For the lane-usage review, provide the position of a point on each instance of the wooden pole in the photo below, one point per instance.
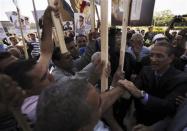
(126, 7)
(36, 21)
(23, 39)
(104, 42)
(21, 119)
(98, 22)
(92, 15)
(55, 38)
(59, 29)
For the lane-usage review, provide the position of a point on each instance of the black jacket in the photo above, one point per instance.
(161, 102)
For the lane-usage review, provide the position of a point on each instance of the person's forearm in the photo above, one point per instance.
(46, 39)
(108, 98)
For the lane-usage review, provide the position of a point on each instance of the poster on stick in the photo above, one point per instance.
(141, 12)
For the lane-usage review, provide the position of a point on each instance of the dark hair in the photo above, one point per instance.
(183, 33)
(81, 35)
(80, 16)
(164, 43)
(68, 40)
(4, 55)
(18, 71)
(63, 106)
(56, 54)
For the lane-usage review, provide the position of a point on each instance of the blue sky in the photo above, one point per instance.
(178, 7)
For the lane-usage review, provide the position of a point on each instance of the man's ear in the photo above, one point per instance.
(172, 57)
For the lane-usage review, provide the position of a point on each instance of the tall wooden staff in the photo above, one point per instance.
(92, 15)
(20, 119)
(59, 28)
(21, 30)
(126, 7)
(104, 42)
(98, 22)
(36, 21)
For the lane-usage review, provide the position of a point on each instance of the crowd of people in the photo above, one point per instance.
(61, 91)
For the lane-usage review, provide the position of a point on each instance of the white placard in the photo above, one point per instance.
(2, 32)
(136, 9)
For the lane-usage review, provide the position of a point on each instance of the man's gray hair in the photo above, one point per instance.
(63, 107)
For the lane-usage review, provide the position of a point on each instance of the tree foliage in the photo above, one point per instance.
(162, 18)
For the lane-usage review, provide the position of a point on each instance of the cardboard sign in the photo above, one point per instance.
(2, 32)
(141, 12)
(25, 24)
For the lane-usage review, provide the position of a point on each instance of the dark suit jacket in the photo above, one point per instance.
(161, 102)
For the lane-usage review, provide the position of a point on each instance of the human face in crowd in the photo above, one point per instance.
(32, 37)
(81, 41)
(13, 41)
(160, 60)
(117, 43)
(178, 41)
(66, 61)
(72, 49)
(150, 29)
(136, 46)
(94, 100)
(81, 20)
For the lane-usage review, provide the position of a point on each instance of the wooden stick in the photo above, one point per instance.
(104, 42)
(23, 39)
(97, 13)
(126, 7)
(55, 38)
(92, 15)
(20, 119)
(98, 22)
(36, 21)
(59, 29)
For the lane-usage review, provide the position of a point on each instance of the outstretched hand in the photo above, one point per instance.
(141, 127)
(119, 75)
(128, 85)
(99, 64)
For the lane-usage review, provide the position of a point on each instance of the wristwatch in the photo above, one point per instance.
(143, 93)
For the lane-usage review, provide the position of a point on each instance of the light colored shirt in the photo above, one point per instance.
(29, 107)
(144, 52)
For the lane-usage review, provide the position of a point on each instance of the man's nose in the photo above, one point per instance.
(153, 58)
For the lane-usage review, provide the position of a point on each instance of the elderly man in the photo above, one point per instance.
(137, 50)
(77, 106)
(157, 86)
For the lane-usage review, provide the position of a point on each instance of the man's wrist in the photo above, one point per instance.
(140, 94)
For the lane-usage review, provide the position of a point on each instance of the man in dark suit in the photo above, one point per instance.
(157, 86)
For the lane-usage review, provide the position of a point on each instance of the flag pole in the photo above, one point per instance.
(21, 30)
(36, 21)
(59, 29)
(126, 7)
(104, 42)
(92, 15)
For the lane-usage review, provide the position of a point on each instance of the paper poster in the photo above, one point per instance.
(2, 32)
(82, 24)
(68, 25)
(141, 12)
(25, 24)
